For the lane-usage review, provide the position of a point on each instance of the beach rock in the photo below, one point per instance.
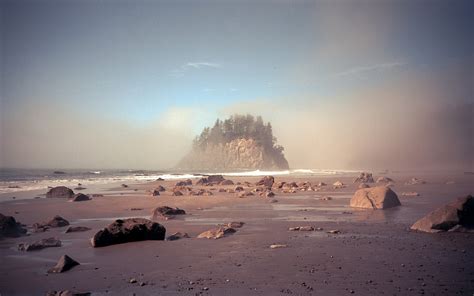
(128, 230)
(266, 181)
(321, 184)
(363, 185)
(301, 228)
(454, 216)
(60, 192)
(239, 188)
(324, 198)
(187, 182)
(67, 293)
(227, 182)
(97, 195)
(338, 184)
(79, 188)
(10, 228)
(65, 263)
(41, 244)
(177, 193)
(269, 194)
(415, 181)
(410, 193)
(177, 235)
(278, 246)
(56, 221)
(384, 180)
(77, 229)
(155, 192)
(160, 188)
(81, 197)
(160, 179)
(210, 180)
(124, 185)
(364, 177)
(380, 197)
(165, 212)
(217, 233)
(234, 224)
(243, 194)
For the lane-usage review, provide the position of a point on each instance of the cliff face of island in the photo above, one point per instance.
(240, 142)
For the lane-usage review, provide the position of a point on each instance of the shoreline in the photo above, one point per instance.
(374, 253)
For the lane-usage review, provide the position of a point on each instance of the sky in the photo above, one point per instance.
(128, 84)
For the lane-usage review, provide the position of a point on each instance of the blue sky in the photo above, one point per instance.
(137, 61)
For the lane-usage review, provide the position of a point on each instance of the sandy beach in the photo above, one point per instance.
(373, 252)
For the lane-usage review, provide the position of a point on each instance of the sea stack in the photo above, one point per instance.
(240, 142)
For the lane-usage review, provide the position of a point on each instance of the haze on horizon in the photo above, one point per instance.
(129, 84)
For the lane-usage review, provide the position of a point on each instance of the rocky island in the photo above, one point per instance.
(239, 142)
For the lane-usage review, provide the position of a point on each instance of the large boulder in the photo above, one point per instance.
(60, 192)
(364, 177)
(10, 228)
(128, 230)
(266, 181)
(381, 197)
(455, 216)
(166, 213)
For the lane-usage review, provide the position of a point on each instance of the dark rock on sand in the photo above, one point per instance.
(455, 216)
(155, 192)
(227, 182)
(210, 180)
(160, 188)
(166, 213)
(79, 188)
(65, 263)
(81, 197)
(187, 182)
(384, 180)
(381, 197)
(41, 244)
(177, 193)
(10, 228)
(56, 221)
(60, 192)
(177, 235)
(67, 293)
(218, 232)
(266, 181)
(364, 177)
(301, 228)
(128, 230)
(239, 188)
(77, 229)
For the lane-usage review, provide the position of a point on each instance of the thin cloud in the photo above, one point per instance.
(199, 65)
(180, 72)
(371, 68)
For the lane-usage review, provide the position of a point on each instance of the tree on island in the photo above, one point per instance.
(236, 128)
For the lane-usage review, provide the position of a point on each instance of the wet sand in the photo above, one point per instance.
(374, 253)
